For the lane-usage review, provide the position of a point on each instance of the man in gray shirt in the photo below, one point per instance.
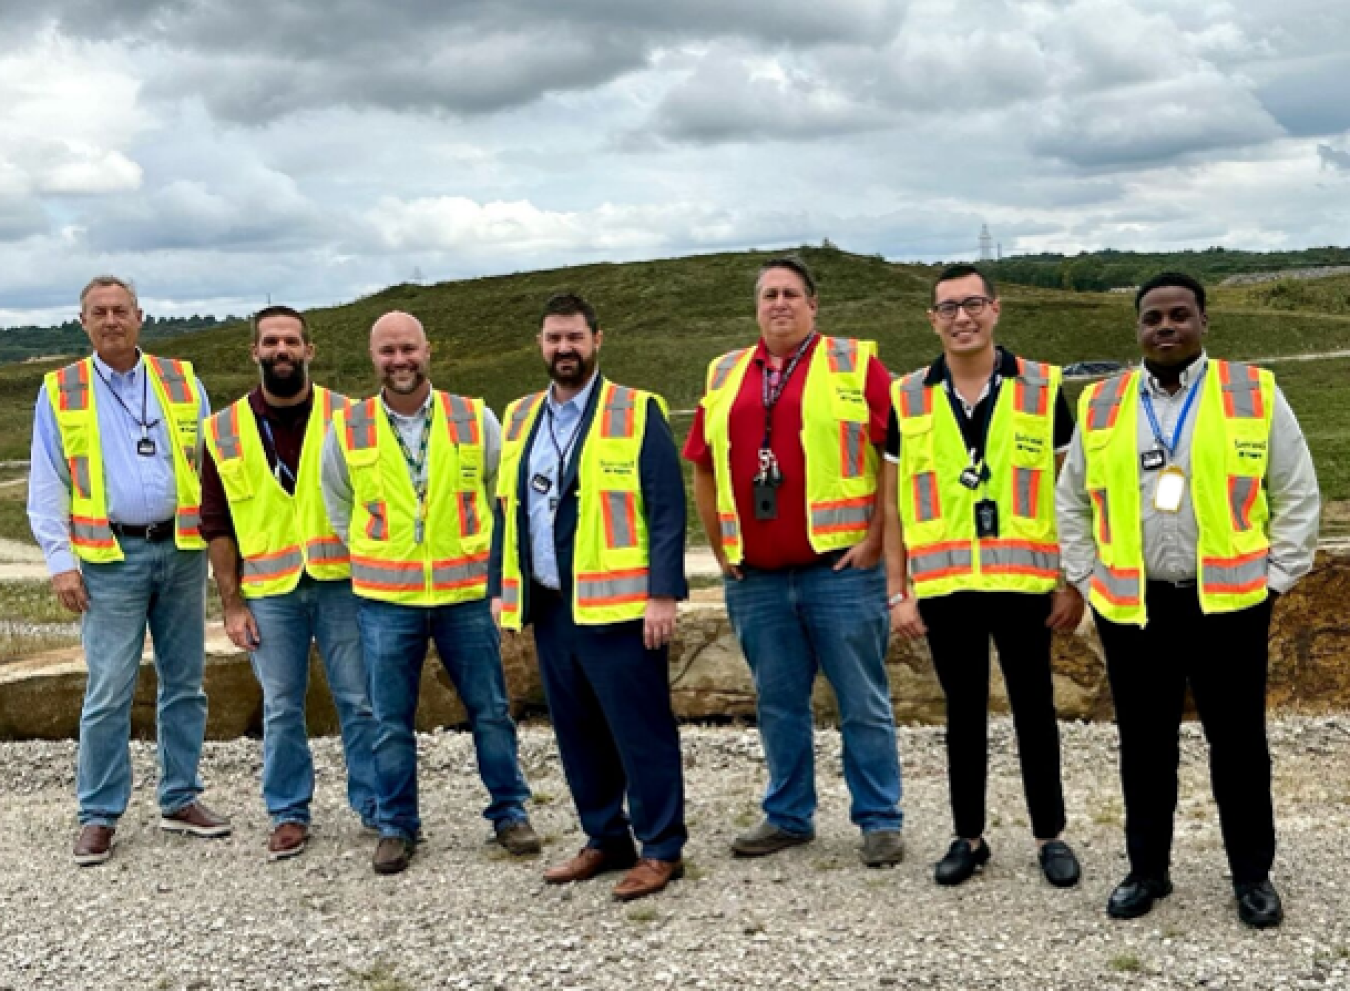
(1187, 504)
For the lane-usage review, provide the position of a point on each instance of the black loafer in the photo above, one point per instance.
(961, 862)
(1058, 864)
(1135, 896)
(1259, 904)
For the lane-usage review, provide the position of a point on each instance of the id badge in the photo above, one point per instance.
(986, 519)
(766, 500)
(1171, 488)
(1152, 460)
(145, 447)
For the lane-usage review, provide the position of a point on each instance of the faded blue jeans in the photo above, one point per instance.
(165, 588)
(395, 639)
(792, 623)
(324, 613)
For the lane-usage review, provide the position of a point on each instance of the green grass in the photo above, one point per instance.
(380, 976)
(32, 602)
(1126, 963)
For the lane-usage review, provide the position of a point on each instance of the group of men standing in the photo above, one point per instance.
(840, 505)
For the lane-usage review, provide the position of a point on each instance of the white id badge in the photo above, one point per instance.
(1171, 487)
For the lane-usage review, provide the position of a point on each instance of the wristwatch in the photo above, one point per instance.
(896, 599)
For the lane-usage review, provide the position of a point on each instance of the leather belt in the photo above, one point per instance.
(155, 532)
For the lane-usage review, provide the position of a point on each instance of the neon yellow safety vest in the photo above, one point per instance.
(1229, 452)
(938, 512)
(451, 563)
(71, 394)
(610, 563)
(841, 463)
(281, 536)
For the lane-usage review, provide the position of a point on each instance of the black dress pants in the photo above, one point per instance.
(1223, 658)
(960, 626)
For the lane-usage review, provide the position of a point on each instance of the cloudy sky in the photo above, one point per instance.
(218, 151)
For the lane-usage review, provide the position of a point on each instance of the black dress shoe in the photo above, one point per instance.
(1259, 904)
(1058, 864)
(1135, 896)
(961, 862)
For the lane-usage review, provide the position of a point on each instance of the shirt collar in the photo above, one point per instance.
(763, 354)
(129, 375)
(579, 400)
(1005, 365)
(420, 412)
(1189, 375)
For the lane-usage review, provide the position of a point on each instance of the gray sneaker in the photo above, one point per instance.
(519, 838)
(766, 838)
(882, 848)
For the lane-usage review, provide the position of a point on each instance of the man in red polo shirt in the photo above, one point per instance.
(785, 448)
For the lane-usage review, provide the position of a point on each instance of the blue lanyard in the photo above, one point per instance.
(279, 465)
(1171, 448)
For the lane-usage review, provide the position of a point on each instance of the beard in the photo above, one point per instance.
(418, 376)
(582, 369)
(284, 384)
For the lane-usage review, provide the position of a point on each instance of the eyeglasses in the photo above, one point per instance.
(973, 305)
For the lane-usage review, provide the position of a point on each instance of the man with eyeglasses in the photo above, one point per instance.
(974, 442)
(283, 575)
(114, 500)
(785, 447)
(1187, 505)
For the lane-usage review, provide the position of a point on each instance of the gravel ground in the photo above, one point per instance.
(174, 913)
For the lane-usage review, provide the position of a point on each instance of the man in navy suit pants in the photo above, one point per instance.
(589, 549)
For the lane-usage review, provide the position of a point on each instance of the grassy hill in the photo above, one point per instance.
(664, 320)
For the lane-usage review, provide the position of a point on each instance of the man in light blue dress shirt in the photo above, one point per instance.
(156, 584)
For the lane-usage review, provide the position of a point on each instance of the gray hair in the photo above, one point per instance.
(103, 282)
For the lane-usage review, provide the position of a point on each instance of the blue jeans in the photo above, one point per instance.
(791, 623)
(161, 586)
(322, 612)
(395, 640)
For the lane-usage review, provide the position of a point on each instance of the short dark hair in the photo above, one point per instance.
(792, 263)
(569, 304)
(1179, 280)
(953, 272)
(280, 311)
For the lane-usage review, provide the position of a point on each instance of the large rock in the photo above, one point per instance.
(1310, 646)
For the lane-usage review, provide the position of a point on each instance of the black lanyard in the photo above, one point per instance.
(144, 421)
(563, 451)
(990, 399)
(770, 397)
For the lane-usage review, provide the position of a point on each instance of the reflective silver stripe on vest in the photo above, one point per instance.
(462, 419)
(389, 577)
(468, 513)
(598, 590)
(926, 496)
(274, 567)
(621, 530)
(912, 396)
(90, 532)
(925, 563)
(1024, 492)
(79, 477)
(1241, 496)
(843, 354)
(378, 527)
(1243, 389)
(189, 520)
(842, 517)
(520, 416)
(1118, 589)
(855, 457)
(731, 529)
(362, 424)
(459, 573)
(1035, 385)
(1019, 557)
(618, 413)
(510, 594)
(175, 382)
(74, 391)
(326, 552)
(1106, 398)
(1229, 578)
(1102, 500)
(227, 437)
(724, 369)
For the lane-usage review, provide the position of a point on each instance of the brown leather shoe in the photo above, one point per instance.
(587, 864)
(93, 845)
(287, 840)
(647, 878)
(392, 855)
(195, 820)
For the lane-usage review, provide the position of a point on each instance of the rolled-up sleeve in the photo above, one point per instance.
(1073, 514)
(49, 490)
(1295, 501)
